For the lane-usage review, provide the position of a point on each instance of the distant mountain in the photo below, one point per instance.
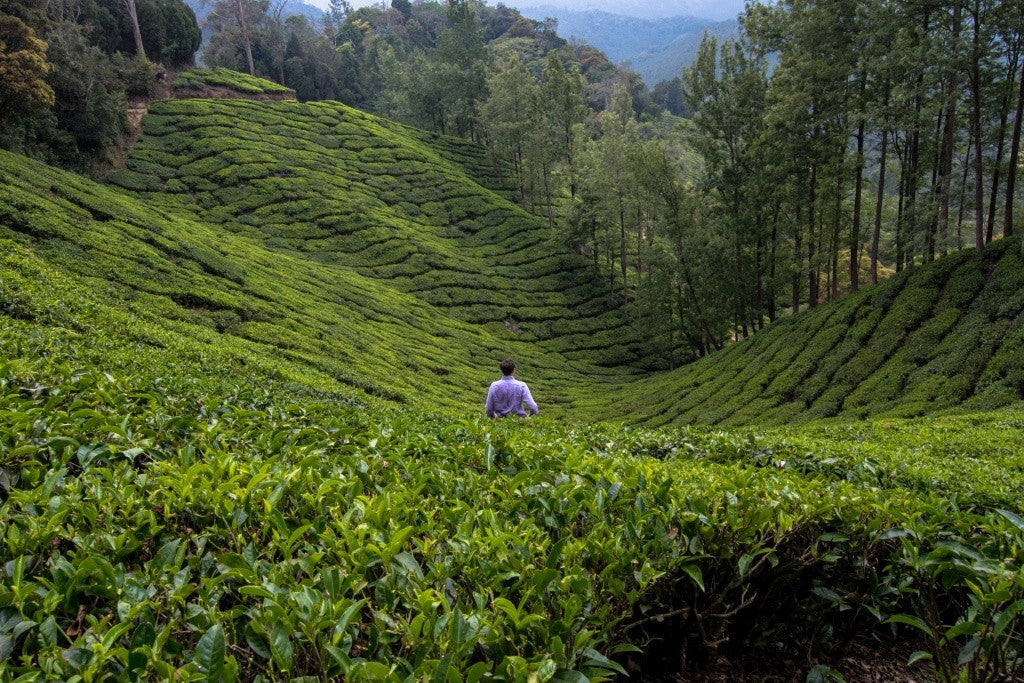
(202, 8)
(657, 49)
(713, 10)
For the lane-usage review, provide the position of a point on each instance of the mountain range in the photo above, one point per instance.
(657, 49)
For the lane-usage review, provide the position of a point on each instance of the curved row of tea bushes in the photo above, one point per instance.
(339, 322)
(934, 337)
(424, 213)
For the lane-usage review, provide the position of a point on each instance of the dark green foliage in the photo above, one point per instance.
(91, 65)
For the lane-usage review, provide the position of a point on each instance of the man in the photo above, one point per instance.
(508, 395)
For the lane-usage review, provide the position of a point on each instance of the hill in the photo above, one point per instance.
(240, 436)
(358, 247)
(657, 49)
(930, 338)
(393, 259)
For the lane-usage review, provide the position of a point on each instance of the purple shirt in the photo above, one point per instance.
(507, 396)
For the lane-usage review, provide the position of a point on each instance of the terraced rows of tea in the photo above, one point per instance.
(943, 336)
(241, 436)
(424, 214)
(353, 327)
(175, 504)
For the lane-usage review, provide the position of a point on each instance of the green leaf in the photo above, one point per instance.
(6, 646)
(143, 637)
(543, 579)
(409, 563)
(569, 676)
(827, 593)
(281, 647)
(48, 632)
(1006, 617)
(963, 628)
(556, 553)
(210, 652)
(909, 620)
(441, 670)
(477, 671)
(693, 571)
(596, 658)
(1013, 518)
(165, 556)
(919, 656)
(346, 617)
(968, 651)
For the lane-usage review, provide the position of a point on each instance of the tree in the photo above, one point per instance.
(232, 23)
(563, 97)
(133, 17)
(23, 69)
(509, 113)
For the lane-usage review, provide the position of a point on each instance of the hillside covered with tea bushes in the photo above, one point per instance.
(241, 436)
(373, 319)
(944, 336)
(173, 503)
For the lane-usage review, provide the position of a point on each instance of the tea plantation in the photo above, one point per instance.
(241, 436)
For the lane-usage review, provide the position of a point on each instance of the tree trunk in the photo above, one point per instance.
(812, 268)
(979, 168)
(1011, 179)
(836, 230)
(879, 199)
(246, 43)
(797, 262)
(1004, 110)
(946, 168)
(858, 186)
(622, 248)
(129, 5)
(771, 266)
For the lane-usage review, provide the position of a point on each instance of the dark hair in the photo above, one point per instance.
(508, 366)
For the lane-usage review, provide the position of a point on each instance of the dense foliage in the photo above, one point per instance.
(240, 430)
(174, 509)
(67, 68)
(842, 136)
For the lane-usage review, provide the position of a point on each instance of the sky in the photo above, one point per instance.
(648, 9)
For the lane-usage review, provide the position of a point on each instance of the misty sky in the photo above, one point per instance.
(710, 9)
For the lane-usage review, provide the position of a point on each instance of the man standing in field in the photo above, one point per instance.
(508, 395)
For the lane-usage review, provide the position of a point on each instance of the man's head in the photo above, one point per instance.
(508, 367)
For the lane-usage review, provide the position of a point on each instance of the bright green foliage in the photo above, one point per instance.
(233, 80)
(187, 508)
(240, 431)
(938, 337)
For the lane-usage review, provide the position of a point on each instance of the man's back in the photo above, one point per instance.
(507, 396)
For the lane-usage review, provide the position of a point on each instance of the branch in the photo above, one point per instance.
(658, 617)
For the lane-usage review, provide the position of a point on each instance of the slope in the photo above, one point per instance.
(334, 322)
(949, 334)
(421, 213)
(180, 503)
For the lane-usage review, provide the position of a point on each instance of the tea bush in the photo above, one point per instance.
(241, 435)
